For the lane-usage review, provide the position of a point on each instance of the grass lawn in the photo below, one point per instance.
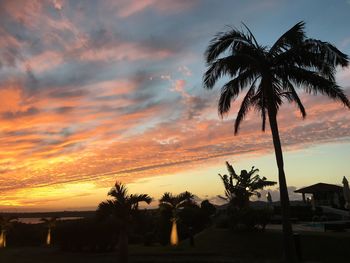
(212, 245)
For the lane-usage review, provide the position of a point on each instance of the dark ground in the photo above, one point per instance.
(212, 245)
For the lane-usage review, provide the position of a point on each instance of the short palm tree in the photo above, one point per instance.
(239, 188)
(175, 203)
(272, 75)
(50, 223)
(5, 224)
(122, 208)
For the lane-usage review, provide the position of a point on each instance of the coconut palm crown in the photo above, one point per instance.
(272, 75)
(122, 206)
(122, 209)
(176, 202)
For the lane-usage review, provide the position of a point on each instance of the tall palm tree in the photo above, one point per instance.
(240, 187)
(5, 224)
(122, 208)
(175, 203)
(50, 223)
(272, 75)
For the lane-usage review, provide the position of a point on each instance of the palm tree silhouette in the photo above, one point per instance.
(271, 76)
(5, 224)
(122, 208)
(239, 188)
(50, 223)
(175, 203)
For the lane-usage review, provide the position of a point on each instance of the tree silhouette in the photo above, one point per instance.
(122, 208)
(50, 223)
(239, 188)
(175, 203)
(5, 224)
(271, 76)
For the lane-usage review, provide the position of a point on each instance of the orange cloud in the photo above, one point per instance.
(45, 61)
(124, 51)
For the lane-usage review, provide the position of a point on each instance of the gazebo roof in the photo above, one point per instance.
(320, 187)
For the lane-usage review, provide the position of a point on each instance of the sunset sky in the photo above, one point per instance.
(98, 91)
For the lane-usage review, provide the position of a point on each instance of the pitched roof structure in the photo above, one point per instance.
(320, 187)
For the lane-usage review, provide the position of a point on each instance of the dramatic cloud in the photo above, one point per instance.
(93, 91)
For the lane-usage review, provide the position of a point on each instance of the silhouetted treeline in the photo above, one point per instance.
(92, 234)
(58, 214)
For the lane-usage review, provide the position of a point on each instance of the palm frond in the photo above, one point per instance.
(184, 199)
(229, 65)
(123, 206)
(292, 37)
(231, 89)
(108, 209)
(314, 83)
(119, 192)
(328, 52)
(245, 106)
(231, 170)
(138, 198)
(168, 198)
(223, 41)
(251, 35)
(293, 96)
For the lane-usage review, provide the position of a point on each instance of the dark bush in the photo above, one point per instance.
(249, 218)
(163, 226)
(21, 234)
(148, 239)
(208, 211)
(144, 223)
(87, 235)
(222, 221)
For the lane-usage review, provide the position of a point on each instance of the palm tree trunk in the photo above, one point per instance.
(289, 246)
(123, 245)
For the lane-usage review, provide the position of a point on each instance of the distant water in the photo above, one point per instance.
(37, 220)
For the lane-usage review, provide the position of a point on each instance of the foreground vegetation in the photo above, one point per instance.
(211, 245)
(199, 232)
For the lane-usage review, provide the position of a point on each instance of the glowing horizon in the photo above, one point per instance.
(94, 93)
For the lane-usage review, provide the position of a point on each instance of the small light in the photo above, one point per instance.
(247, 188)
(174, 239)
